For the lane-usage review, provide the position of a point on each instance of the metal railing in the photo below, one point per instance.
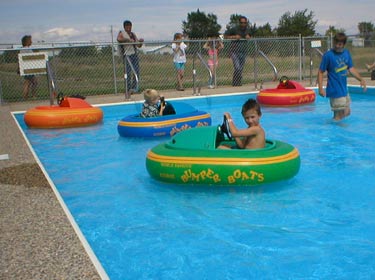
(52, 86)
(127, 62)
(275, 73)
(320, 53)
(199, 55)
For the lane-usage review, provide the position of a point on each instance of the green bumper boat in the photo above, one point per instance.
(191, 157)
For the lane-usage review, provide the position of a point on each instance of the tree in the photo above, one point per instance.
(299, 23)
(332, 31)
(366, 29)
(263, 31)
(199, 25)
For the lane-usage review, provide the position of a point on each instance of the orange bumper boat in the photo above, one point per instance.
(287, 93)
(71, 112)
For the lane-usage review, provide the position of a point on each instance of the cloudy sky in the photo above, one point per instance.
(91, 20)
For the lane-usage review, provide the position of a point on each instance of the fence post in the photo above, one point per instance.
(1, 94)
(255, 65)
(194, 74)
(311, 66)
(301, 52)
(113, 62)
(127, 94)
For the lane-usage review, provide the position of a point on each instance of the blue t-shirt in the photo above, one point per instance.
(337, 66)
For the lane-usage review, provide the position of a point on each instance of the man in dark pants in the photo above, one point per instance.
(130, 50)
(238, 49)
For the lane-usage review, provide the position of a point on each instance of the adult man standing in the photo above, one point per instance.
(129, 50)
(238, 48)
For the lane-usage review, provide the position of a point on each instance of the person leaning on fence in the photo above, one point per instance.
(179, 58)
(238, 48)
(213, 46)
(337, 62)
(151, 106)
(130, 50)
(30, 82)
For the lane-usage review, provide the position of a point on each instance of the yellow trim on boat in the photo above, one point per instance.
(222, 160)
(62, 112)
(162, 122)
(288, 94)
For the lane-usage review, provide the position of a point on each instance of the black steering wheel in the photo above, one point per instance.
(225, 128)
(60, 98)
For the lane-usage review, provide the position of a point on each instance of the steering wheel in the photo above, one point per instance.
(60, 98)
(225, 128)
(284, 80)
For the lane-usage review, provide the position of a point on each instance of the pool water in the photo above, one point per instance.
(318, 225)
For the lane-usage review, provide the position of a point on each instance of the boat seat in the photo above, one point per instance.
(270, 144)
(201, 138)
(74, 103)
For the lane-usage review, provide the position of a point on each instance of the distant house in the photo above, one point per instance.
(358, 42)
(54, 49)
(160, 49)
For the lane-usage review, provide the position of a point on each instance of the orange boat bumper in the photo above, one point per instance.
(59, 117)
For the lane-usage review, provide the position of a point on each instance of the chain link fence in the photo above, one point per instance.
(98, 68)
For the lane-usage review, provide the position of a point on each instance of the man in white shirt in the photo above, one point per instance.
(129, 49)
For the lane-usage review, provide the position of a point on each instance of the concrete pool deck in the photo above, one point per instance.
(37, 239)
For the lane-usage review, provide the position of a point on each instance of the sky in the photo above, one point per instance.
(95, 20)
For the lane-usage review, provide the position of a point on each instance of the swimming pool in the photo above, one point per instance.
(318, 225)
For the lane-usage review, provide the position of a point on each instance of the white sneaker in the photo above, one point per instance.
(211, 87)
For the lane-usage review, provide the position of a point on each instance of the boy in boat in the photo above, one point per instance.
(151, 106)
(252, 137)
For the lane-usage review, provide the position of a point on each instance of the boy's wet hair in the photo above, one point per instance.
(251, 103)
(340, 38)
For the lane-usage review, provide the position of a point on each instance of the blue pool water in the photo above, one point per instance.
(318, 225)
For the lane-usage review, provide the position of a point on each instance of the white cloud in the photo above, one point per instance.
(61, 32)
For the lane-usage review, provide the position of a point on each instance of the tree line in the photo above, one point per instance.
(201, 25)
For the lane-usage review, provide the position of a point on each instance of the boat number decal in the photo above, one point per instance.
(79, 119)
